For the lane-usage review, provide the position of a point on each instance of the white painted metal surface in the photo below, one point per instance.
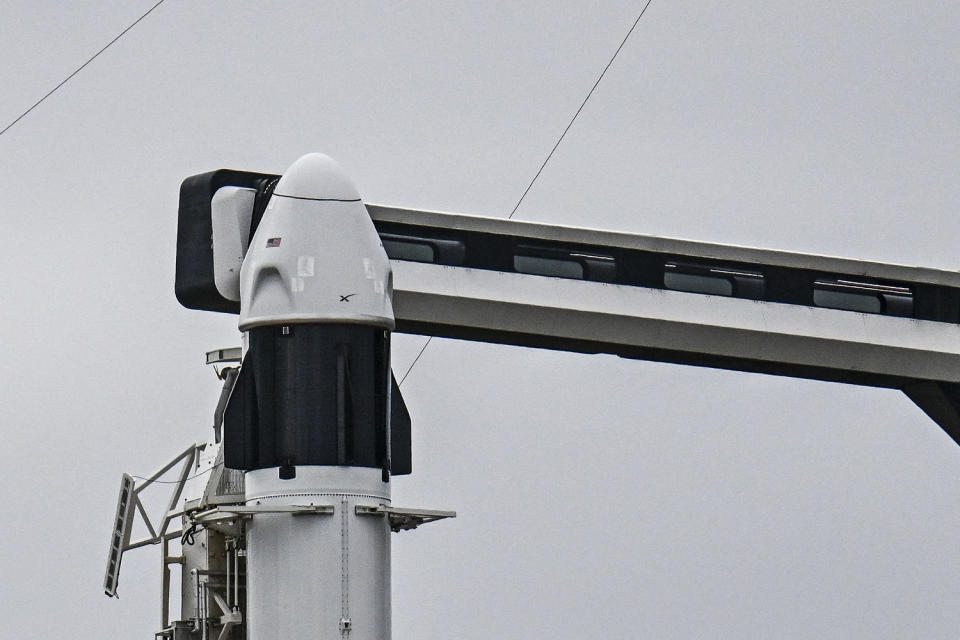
(230, 211)
(318, 576)
(315, 256)
(519, 308)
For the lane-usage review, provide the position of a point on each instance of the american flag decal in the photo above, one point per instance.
(273, 242)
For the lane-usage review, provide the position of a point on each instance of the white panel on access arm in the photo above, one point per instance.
(674, 326)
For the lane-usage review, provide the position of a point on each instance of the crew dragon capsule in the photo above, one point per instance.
(316, 309)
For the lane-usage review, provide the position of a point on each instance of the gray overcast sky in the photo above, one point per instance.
(597, 497)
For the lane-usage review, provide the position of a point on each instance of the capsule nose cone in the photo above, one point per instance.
(317, 177)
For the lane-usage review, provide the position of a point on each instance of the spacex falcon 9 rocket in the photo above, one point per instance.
(286, 510)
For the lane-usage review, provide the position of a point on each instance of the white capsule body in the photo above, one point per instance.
(294, 273)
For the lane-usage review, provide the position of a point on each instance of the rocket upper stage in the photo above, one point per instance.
(315, 255)
(316, 301)
(302, 257)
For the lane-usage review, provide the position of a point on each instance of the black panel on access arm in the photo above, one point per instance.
(194, 285)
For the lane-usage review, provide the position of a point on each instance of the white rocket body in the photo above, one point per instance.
(315, 270)
(318, 576)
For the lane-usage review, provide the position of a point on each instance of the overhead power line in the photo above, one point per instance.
(579, 109)
(410, 368)
(550, 155)
(80, 68)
